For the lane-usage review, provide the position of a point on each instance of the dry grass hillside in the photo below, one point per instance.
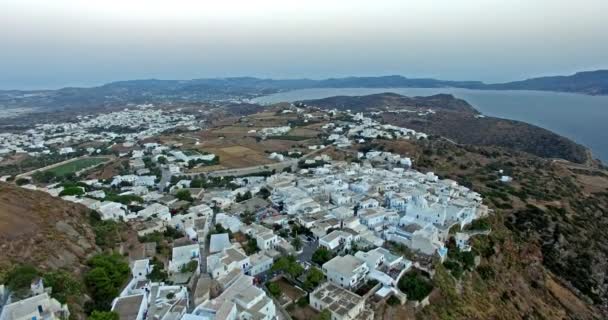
(43, 231)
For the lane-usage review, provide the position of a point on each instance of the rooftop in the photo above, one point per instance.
(337, 299)
(219, 242)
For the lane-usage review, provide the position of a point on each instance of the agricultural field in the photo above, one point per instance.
(77, 165)
(238, 156)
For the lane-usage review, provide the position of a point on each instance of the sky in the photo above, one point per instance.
(52, 44)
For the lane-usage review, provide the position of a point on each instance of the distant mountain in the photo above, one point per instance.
(222, 89)
(589, 82)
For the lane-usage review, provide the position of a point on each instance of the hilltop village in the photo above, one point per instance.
(323, 227)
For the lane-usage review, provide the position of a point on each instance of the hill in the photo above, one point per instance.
(589, 82)
(546, 256)
(392, 101)
(43, 231)
(459, 121)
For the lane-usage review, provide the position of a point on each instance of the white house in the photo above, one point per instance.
(141, 269)
(336, 239)
(226, 261)
(241, 300)
(346, 271)
(182, 255)
(40, 306)
(343, 304)
(112, 210)
(260, 262)
(155, 210)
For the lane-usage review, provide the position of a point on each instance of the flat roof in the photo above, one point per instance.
(219, 242)
(128, 307)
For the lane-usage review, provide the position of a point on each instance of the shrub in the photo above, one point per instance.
(274, 289)
(415, 286)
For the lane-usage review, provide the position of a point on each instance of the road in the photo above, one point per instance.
(308, 248)
(165, 178)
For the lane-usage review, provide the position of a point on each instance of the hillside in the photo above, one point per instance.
(392, 101)
(546, 257)
(43, 231)
(459, 121)
(589, 82)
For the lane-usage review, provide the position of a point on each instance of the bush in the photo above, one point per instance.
(415, 286)
(158, 274)
(108, 274)
(64, 285)
(107, 232)
(189, 267)
(393, 301)
(19, 279)
(103, 315)
(289, 265)
(184, 195)
(486, 272)
(303, 302)
(71, 191)
(274, 289)
(322, 255)
(22, 181)
(313, 278)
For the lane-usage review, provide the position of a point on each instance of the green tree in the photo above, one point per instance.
(274, 289)
(415, 286)
(289, 265)
(242, 197)
(264, 193)
(321, 255)
(184, 195)
(103, 315)
(158, 274)
(162, 160)
(71, 191)
(313, 278)
(101, 288)
(252, 246)
(108, 274)
(297, 243)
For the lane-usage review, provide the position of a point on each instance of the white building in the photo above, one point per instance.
(156, 210)
(37, 307)
(343, 304)
(241, 300)
(112, 210)
(260, 262)
(227, 261)
(336, 239)
(346, 271)
(183, 255)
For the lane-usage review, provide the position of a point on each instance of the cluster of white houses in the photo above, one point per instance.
(343, 134)
(350, 208)
(131, 125)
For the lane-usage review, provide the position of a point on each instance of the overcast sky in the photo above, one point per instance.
(55, 43)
